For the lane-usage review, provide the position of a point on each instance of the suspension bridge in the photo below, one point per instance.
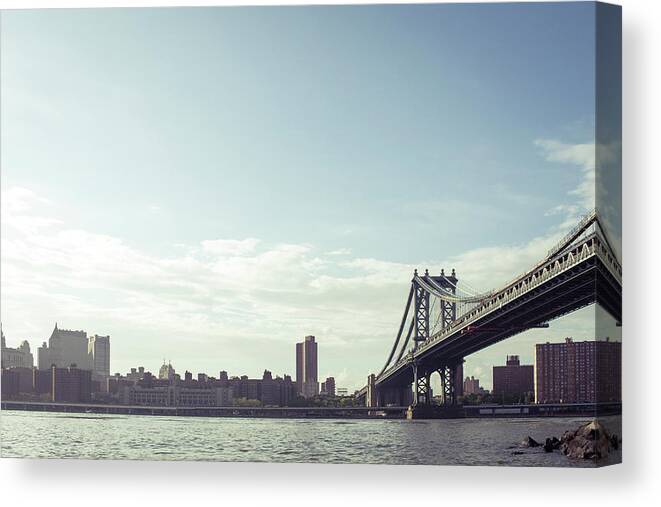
(445, 320)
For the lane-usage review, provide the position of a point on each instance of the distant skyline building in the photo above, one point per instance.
(65, 348)
(514, 380)
(578, 372)
(72, 385)
(307, 382)
(98, 348)
(20, 357)
(472, 386)
(328, 387)
(166, 372)
(140, 387)
(68, 348)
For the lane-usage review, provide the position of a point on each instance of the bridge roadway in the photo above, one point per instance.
(567, 280)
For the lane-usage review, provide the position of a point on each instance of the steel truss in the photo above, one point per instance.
(448, 375)
(421, 315)
(421, 386)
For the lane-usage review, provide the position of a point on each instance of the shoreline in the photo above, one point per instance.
(373, 413)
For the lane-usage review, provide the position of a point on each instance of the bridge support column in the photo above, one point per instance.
(421, 386)
(459, 379)
(372, 396)
(452, 381)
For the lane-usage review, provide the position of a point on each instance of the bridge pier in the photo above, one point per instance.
(421, 386)
(422, 406)
(452, 381)
(372, 395)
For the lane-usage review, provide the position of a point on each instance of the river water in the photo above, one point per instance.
(435, 442)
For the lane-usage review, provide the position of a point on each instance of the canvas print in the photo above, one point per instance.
(383, 234)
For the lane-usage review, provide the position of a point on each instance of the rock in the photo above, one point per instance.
(516, 453)
(589, 441)
(529, 442)
(549, 445)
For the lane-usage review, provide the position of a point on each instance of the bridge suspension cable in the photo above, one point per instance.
(464, 288)
(406, 341)
(431, 286)
(401, 328)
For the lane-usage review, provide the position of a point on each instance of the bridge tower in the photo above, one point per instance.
(421, 315)
(452, 371)
(448, 309)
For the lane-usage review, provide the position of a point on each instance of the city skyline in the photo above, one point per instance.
(185, 211)
(485, 379)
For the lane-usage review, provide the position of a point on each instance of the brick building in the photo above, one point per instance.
(578, 372)
(514, 381)
(9, 381)
(71, 385)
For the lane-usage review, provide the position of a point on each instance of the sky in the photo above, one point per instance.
(210, 185)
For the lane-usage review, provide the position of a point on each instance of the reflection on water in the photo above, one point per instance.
(438, 442)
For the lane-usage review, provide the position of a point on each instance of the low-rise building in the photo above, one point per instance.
(177, 396)
(9, 382)
(42, 381)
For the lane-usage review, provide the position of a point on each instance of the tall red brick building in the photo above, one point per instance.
(514, 380)
(579, 372)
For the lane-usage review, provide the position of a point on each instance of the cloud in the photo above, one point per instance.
(17, 201)
(230, 247)
(223, 294)
(340, 251)
(581, 155)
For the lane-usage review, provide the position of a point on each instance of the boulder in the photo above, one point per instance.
(589, 441)
(529, 442)
(551, 444)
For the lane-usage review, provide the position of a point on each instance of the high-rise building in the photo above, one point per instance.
(578, 372)
(64, 348)
(20, 357)
(328, 387)
(307, 382)
(472, 386)
(98, 348)
(514, 380)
